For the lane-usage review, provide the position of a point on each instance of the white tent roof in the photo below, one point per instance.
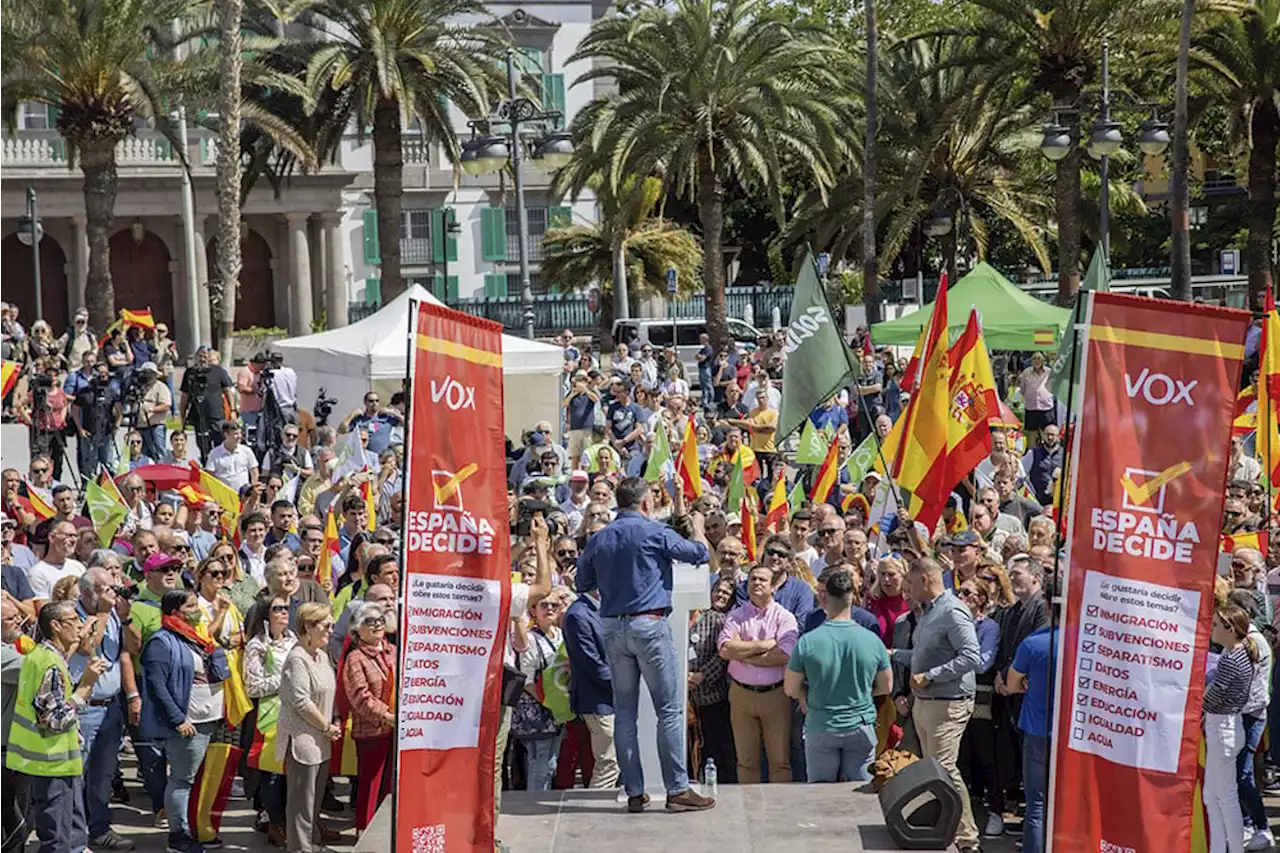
(380, 345)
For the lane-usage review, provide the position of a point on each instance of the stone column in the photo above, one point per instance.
(315, 234)
(203, 314)
(336, 296)
(300, 275)
(79, 263)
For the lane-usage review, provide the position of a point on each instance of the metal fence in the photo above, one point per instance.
(555, 312)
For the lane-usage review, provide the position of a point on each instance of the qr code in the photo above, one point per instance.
(428, 839)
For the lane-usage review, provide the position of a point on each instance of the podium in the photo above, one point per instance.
(690, 590)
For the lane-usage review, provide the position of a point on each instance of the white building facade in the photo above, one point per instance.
(312, 248)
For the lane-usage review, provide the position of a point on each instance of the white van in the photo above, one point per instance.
(658, 333)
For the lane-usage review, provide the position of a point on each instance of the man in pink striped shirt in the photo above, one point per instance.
(757, 640)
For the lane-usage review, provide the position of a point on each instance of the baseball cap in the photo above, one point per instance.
(159, 561)
(149, 367)
(203, 348)
(962, 538)
(575, 477)
(544, 426)
(6, 521)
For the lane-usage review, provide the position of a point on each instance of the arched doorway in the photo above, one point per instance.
(20, 283)
(140, 275)
(255, 303)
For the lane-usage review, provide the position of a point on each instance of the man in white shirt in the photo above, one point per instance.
(253, 546)
(232, 462)
(57, 563)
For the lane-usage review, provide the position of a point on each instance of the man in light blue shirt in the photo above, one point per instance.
(102, 720)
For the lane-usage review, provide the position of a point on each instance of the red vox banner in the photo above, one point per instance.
(1151, 448)
(457, 586)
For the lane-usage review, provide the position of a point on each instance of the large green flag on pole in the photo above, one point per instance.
(105, 511)
(862, 458)
(737, 488)
(818, 362)
(1098, 278)
(659, 466)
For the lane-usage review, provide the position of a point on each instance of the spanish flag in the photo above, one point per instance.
(38, 504)
(828, 474)
(226, 497)
(911, 374)
(918, 443)
(9, 371)
(687, 462)
(324, 572)
(748, 529)
(141, 319)
(1268, 440)
(777, 504)
(1231, 542)
(1244, 399)
(212, 786)
(370, 504)
(859, 500)
(974, 402)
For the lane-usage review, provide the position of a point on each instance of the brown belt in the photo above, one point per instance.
(758, 688)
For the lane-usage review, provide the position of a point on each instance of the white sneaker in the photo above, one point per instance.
(237, 789)
(1262, 840)
(995, 826)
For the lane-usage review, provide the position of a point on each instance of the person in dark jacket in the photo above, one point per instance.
(591, 684)
(1043, 463)
(789, 591)
(183, 671)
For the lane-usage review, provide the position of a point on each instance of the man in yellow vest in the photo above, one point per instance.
(44, 741)
(14, 787)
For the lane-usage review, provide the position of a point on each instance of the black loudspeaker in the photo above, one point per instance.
(921, 807)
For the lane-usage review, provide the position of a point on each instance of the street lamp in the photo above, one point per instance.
(30, 232)
(1105, 138)
(551, 150)
(941, 221)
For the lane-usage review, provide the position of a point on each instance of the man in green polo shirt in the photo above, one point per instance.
(161, 573)
(44, 741)
(834, 672)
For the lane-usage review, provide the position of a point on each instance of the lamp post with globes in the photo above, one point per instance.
(552, 149)
(30, 232)
(1105, 138)
(940, 222)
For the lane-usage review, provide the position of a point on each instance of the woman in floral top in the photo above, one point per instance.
(269, 645)
(709, 688)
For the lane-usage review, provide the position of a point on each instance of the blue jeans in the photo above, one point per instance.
(642, 647)
(152, 768)
(540, 762)
(57, 804)
(92, 453)
(103, 730)
(185, 755)
(1255, 814)
(1273, 714)
(1035, 766)
(830, 755)
(153, 439)
(799, 752)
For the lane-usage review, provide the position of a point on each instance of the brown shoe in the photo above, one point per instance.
(330, 836)
(689, 800)
(635, 805)
(276, 836)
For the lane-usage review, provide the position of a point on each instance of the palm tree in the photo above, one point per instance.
(1057, 45)
(711, 94)
(230, 13)
(943, 141)
(628, 246)
(388, 63)
(1237, 59)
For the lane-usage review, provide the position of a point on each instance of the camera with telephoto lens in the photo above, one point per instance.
(324, 407)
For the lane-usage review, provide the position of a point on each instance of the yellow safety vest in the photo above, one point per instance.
(32, 750)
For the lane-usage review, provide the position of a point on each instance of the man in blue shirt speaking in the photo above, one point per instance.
(629, 562)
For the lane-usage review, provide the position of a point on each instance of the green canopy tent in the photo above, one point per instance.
(1011, 318)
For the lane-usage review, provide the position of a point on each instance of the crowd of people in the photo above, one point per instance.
(837, 631)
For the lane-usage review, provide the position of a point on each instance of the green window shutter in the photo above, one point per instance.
(451, 240)
(493, 234)
(553, 95)
(451, 289)
(373, 291)
(495, 285)
(53, 113)
(559, 217)
(437, 236)
(372, 255)
(529, 60)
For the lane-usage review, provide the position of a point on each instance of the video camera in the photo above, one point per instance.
(323, 407)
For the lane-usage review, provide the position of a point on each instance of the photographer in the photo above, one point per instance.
(248, 390)
(97, 414)
(205, 389)
(44, 408)
(290, 458)
(282, 383)
(153, 409)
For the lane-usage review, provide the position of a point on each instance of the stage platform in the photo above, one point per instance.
(794, 818)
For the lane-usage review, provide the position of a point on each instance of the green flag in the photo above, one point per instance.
(796, 499)
(818, 362)
(659, 466)
(862, 458)
(813, 445)
(1098, 278)
(737, 487)
(105, 512)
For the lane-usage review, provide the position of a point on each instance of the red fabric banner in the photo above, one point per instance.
(1150, 463)
(456, 588)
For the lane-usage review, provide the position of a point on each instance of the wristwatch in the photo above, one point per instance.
(126, 622)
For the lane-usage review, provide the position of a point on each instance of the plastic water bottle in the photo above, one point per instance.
(710, 778)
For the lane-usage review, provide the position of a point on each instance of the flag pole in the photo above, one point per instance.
(411, 348)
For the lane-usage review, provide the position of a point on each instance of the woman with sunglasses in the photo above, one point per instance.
(711, 733)
(541, 744)
(369, 681)
(979, 747)
(270, 642)
(1225, 697)
(222, 618)
(241, 588)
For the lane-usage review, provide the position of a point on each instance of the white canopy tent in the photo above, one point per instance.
(373, 353)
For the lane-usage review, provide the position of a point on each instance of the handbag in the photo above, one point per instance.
(531, 720)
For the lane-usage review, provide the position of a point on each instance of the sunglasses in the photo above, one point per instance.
(829, 531)
(41, 470)
(549, 605)
(374, 622)
(1239, 564)
(566, 553)
(220, 575)
(279, 608)
(386, 540)
(170, 570)
(777, 552)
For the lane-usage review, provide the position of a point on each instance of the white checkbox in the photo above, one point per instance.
(1086, 665)
(1077, 733)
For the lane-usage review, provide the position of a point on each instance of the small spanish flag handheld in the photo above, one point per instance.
(142, 319)
(9, 371)
(748, 532)
(324, 572)
(828, 474)
(38, 504)
(690, 475)
(777, 504)
(370, 504)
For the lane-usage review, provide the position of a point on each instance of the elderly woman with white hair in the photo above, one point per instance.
(369, 685)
